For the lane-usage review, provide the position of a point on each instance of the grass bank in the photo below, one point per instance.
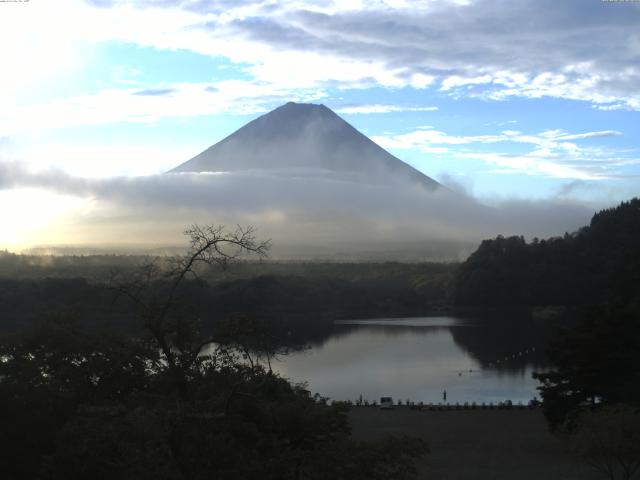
(477, 444)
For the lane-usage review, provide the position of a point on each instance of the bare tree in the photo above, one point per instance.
(154, 290)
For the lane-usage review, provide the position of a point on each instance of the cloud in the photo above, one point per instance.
(426, 135)
(551, 153)
(455, 81)
(580, 136)
(291, 207)
(103, 159)
(132, 105)
(535, 163)
(573, 49)
(153, 92)
(569, 188)
(458, 183)
(379, 108)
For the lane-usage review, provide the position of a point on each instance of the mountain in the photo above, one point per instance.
(320, 189)
(300, 136)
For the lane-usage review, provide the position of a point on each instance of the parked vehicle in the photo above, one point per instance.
(386, 403)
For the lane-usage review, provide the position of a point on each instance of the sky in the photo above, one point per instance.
(527, 102)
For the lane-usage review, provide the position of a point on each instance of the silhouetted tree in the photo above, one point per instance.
(596, 363)
(155, 288)
(51, 370)
(609, 440)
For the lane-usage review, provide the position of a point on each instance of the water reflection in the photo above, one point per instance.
(418, 358)
(416, 322)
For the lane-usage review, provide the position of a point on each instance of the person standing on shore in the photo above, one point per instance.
(444, 396)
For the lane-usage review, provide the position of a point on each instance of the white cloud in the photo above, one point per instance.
(420, 80)
(534, 163)
(115, 105)
(561, 50)
(552, 153)
(604, 133)
(379, 108)
(427, 136)
(455, 81)
(104, 160)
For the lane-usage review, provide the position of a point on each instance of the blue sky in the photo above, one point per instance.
(532, 100)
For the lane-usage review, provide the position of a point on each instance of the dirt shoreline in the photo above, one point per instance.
(477, 444)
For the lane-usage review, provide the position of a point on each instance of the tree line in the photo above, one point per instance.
(599, 263)
(305, 297)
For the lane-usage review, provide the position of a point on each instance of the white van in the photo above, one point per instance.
(386, 403)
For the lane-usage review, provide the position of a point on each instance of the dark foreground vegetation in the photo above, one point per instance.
(131, 367)
(175, 401)
(75, 404)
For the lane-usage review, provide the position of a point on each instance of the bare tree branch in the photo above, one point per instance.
(154, 290)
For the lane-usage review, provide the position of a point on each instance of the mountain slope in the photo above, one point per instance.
(303, 136)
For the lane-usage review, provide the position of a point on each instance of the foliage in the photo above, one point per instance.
(596, 363)
(78, 404)
(609, 440)
(256, 338)
(600, 262)
(48, 372)
(304, 296)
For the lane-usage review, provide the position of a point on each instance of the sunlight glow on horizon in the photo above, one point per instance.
(32, 216)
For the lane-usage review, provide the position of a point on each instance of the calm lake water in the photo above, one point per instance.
(418, 358)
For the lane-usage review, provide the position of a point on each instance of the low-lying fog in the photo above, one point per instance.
(319, 211)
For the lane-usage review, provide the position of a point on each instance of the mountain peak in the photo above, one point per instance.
(302, 135)
(303, 107)
(308, 106)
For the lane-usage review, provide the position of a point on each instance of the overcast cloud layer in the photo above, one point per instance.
(585, 50)
(574, 49)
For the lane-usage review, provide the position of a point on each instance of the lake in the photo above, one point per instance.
(418, 358)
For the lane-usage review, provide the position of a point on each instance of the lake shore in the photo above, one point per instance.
(476, 444)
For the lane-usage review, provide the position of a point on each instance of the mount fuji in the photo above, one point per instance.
(304, 138)
(318, 187)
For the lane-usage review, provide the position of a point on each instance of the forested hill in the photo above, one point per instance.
(33, 288)
(597, 264)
